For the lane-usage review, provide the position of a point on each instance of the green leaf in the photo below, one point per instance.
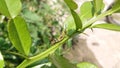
(44, 54)
(10, 8)
(98, 6)
(77, 20)
(107, 26)
(1, 61)
(115, 7)
(31, 16)
(19, 35)
(71, 4)
(70, 25)
(86, 65)
(61, 62)
(86, 11)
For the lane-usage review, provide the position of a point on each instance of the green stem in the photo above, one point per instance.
(42, 55)
(94, 19)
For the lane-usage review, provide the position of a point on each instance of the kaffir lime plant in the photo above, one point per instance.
(90, 12)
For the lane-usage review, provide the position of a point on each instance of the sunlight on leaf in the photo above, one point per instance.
(113, 27)
(10, 8)
(86, 11)
(1, 61)
(85, 65)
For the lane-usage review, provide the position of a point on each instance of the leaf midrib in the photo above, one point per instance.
(18, 35)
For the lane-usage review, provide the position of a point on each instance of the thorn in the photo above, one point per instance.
(85, 34)
(92, 30)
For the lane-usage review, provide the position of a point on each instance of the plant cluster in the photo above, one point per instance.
(26, 44)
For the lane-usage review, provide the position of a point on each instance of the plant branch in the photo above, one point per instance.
(44, 54)
(94, 19)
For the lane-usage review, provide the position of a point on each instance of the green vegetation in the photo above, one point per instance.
(36, 37)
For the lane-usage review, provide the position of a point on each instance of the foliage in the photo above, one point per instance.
(61, 62)
(23, 41)
(40, 27)
(85, 15)
(107, 26)
(29, 52)
(8, 6)
(1, 61)
(86, 65)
